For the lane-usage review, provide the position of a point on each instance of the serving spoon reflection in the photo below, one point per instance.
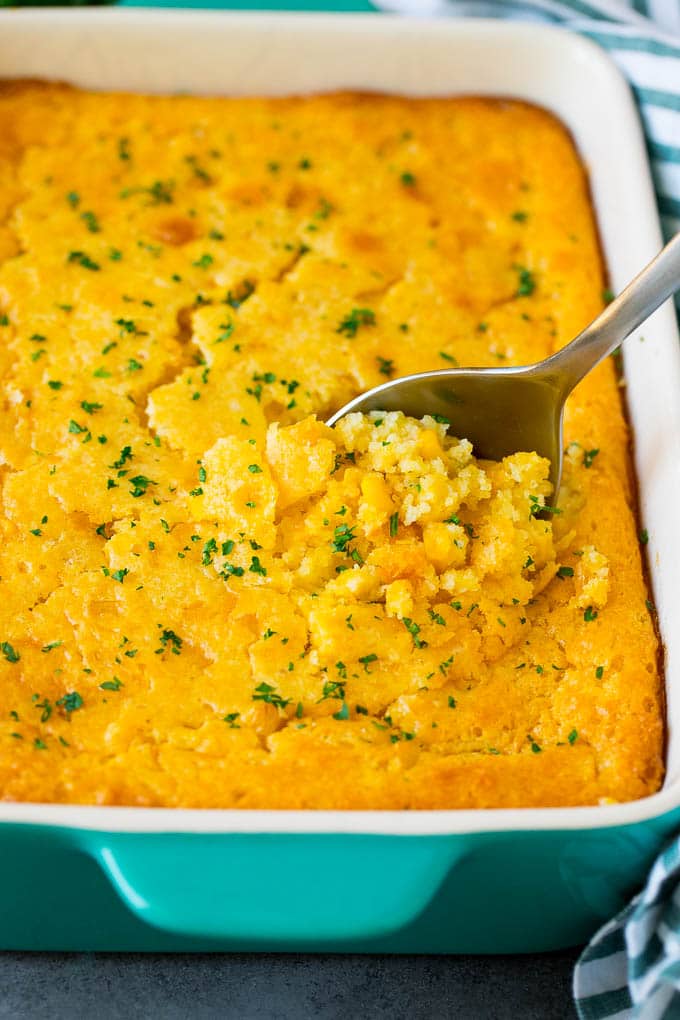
(504, 410)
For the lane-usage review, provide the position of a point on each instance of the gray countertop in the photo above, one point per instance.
(115, 986)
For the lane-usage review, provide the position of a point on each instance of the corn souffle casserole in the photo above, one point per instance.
(208, 598)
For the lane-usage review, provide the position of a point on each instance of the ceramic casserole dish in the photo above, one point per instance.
(101, 878)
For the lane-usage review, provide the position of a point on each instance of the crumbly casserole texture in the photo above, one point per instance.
(210, 599)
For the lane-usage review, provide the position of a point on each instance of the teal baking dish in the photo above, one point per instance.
(326, 884)
(101, 878)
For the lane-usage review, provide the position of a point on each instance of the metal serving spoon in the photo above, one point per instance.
(504, 410)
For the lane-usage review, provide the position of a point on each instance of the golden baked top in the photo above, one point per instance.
(207, 597)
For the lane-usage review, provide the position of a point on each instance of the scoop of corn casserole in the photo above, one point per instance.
(207, 597)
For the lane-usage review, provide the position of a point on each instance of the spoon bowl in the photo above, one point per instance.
(500, 410)
(505, 410)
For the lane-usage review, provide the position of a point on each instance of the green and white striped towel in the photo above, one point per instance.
(631, 968)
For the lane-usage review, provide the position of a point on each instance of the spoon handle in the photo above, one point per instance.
(641, 297)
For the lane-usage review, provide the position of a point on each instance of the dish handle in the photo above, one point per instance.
(275, 886)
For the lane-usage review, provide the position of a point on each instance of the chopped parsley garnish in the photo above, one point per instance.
(394, 524)
(209, 549)
(111, 685)
(342, 536)
(357, 318)
(231, 720)
(256, 567)
(573, 736)
(589, 456)
(519, 216)
(255, 469)
(127, 326)
(229, 570)
(590, 614)
(90, 408)
(565, 572)
(414, 630)
(160, 192)
(366, 660)
(83, 260)
(91, 222)
(408, 179)
(140, 484)
(46, 707)
(451, 701)
(9, 652)
(169, 640)
(644, 537)
(385, 366)
(125, 455)
(324, 210)
(537, 507)
(71, 702)
(268, 693)
(599, 672)
(527, 283)
(236, 300)
(204, 261)
(227, 330)
(333, 689)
